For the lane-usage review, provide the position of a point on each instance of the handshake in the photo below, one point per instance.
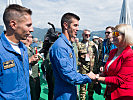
(93, 76)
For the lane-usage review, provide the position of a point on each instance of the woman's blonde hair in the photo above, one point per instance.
(127, 30)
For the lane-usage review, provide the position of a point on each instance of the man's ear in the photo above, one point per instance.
(13, 24)
(65, 25)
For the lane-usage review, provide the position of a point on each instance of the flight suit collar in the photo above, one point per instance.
(8, 46)
(66, 40)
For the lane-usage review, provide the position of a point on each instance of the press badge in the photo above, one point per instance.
(8, 64)
(70, 54)
(106, 56)
(87, 57)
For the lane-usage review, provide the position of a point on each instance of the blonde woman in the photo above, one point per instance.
(118, 74)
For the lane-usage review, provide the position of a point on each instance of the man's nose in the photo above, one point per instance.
(77, 28)
(31, 29)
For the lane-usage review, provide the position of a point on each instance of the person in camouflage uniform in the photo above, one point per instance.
(75, 48)
(88, 60)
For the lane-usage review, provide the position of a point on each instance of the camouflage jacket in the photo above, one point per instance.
(34, 67)
(88, 52)
(75, 51)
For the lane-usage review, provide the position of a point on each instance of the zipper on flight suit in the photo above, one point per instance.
(25, 75)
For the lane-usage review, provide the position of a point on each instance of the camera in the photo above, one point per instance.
(50, 37)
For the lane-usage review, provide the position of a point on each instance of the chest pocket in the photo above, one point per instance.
(90, 51)
(82, 51)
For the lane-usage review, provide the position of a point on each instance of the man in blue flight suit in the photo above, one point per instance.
(14, 63)
(63, 61)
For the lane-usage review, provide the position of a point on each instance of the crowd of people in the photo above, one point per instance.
(67, 62)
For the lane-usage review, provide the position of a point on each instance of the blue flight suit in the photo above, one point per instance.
(64, 67)
(14, 72)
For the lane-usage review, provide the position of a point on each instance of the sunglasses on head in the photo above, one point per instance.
(116, 34)
(87, 35)
(107, 32)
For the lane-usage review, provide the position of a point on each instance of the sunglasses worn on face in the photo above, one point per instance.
(87, 35)
(107, 32)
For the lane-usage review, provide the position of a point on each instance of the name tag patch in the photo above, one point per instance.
(8, 64)
(70, 54)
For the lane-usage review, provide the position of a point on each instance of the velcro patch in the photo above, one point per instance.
(70, 54)
(8, 64)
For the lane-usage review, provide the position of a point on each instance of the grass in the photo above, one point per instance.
(44, 89)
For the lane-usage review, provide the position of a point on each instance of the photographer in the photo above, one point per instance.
(49, 39)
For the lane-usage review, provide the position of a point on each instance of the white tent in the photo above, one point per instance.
(125, 17)
(19, 2)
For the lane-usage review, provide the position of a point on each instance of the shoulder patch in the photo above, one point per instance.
(8, 64)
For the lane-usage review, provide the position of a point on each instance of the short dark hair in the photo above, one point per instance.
(14, 12)
(112, 28)
(67, 17)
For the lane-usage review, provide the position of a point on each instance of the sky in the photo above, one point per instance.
(94, 14)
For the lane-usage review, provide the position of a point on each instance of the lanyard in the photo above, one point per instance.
(107, 47)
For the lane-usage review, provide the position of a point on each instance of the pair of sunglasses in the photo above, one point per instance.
(116, 34)
(108, 32)
(87, 35)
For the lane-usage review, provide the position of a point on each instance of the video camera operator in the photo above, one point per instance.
(50, 37)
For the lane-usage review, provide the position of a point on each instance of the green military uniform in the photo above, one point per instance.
(88, 61)
(75, 51)
(34, 81)
(76, 54)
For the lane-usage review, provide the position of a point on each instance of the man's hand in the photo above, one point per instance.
(40, 57)
(92, 75)
(33, 58)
